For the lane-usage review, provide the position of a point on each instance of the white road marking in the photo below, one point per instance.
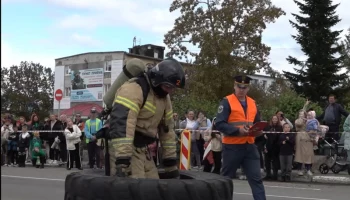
(33, 178)
(285, 197)
(284, 187)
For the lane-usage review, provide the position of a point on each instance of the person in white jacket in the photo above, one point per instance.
(73, 133)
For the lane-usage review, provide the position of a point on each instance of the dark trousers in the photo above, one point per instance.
(333, 132)
(63, 151)
(262, 164)
(272, 157)
(94, 153)
(53, 154)
(217, 163)
(22, 154)
(12, 156)
(247, 156)
(307, 166)
(74, 156)
(286, 162)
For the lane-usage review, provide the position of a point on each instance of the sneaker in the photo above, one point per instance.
(309, 173)
(300, 173)
(6, 165)
(242, 177)
(54, 162)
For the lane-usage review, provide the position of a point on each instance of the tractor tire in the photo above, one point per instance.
(93, 185)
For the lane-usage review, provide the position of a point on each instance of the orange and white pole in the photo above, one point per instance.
(185, 154)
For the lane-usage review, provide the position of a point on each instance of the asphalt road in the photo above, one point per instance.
(33, 184)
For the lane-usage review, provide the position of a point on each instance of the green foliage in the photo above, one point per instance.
(182, 104)
(228, 33)
(25, 88)
(319, 75)
(278, 97)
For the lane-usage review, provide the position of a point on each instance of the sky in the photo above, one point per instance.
(43, 30)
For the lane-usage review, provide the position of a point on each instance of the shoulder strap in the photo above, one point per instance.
(145, 88)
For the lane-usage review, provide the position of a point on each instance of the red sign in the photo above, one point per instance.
(58, 95)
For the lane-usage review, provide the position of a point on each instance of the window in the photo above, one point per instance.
(155, 53)
(264, 83)
(67, 91)
(108, 66)
(255, 81)
(67, 70)
(106, 87)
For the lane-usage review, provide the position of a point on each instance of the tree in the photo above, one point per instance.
(228, 33)
(29, 87)
(345, 52)
(320, 74)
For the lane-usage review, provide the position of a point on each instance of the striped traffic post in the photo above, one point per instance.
(185, 155)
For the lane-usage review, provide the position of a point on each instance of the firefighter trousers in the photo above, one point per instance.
(141, 164)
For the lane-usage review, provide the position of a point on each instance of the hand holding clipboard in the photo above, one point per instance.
(257, 128)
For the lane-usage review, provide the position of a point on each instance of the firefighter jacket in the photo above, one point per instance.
(232, 115)
(132, 124)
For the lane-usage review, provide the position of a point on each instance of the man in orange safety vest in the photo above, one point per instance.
(236, 113)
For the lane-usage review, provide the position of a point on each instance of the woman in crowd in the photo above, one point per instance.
(216, 148)
(283, 119)
(191, 124)
(23, 146)
(54, 126)
(272, 148)
(72, 134)
(12, 147)
(304, 144)
(203, 124)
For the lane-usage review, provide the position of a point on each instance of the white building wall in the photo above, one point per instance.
(263, 80)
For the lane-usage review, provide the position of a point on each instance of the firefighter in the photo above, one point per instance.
(236, 113)
(142, 108)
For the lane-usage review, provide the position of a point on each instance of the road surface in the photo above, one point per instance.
(32, 184)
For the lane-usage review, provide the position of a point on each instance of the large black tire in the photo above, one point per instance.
(93, 185)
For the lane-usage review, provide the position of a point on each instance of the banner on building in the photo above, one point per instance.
(87, 85)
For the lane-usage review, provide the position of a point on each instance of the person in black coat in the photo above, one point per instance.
(23, 146)
(272, 148)
(55, 127)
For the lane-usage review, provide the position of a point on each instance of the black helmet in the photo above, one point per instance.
(170, 72)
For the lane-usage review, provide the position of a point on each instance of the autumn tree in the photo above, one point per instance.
(321, 73)
(27, 88)
(228, 34)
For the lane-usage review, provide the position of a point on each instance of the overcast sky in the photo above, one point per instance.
(42, 30)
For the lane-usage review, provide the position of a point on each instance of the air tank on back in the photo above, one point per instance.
(134, 67)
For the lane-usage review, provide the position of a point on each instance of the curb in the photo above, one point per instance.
(331, 179)
(342, 180)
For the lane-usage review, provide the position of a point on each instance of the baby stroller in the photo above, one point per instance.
(336, 158)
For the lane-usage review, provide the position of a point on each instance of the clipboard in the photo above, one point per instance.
(257, 127)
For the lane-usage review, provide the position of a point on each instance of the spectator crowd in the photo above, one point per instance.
(284, 146)
(55, 140)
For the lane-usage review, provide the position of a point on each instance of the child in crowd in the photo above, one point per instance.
(12, 147)
(312, 124)
(286, 142)
(23, 145)
(38, 155)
